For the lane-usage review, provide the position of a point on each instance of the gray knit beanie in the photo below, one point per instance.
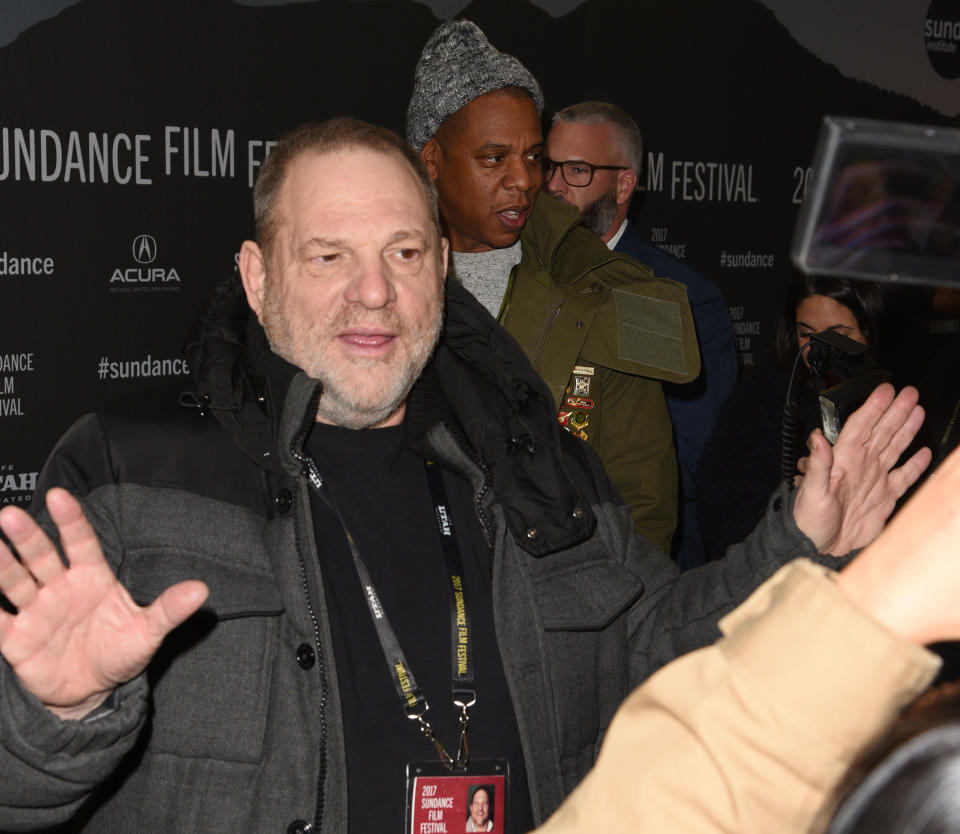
(457, 65)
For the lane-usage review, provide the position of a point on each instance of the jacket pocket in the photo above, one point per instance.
(210, 680)
(578, 595)
(582, 605)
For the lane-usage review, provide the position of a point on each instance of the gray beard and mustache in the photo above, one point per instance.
(344, 402)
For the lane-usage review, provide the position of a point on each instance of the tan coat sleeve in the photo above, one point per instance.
(751, 734)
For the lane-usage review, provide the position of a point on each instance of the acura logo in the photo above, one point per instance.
(144, 249)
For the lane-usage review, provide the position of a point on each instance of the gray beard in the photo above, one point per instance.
(598, 216)
(339, 407)
(340, 401)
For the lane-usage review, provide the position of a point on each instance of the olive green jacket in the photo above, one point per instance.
(603, 332)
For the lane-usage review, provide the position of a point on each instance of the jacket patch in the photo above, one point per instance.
(579, 423)
(650, 330)
(575, 422)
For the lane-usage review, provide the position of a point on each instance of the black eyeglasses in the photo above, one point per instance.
(575, 172)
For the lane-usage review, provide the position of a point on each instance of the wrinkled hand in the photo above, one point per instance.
(847, 492)
(909, 578)
(77, 633)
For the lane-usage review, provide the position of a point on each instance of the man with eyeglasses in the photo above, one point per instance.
(600, 132)
(598, 327)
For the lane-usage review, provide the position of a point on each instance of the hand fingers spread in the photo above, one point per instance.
(77, 536)
(904, 476)
(16, 583)
(37, 553)
(894, 419)
(173, 606)
(861, 423)
(902, 437)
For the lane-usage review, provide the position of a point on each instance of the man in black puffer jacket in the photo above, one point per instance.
(339, 477)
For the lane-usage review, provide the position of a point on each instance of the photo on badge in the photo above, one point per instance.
(441, 801)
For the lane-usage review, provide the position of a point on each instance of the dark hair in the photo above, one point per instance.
(337, 134)
(909, 781)
(489, 791)
(868, 302)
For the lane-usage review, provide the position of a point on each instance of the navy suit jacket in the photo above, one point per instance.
(693, 407)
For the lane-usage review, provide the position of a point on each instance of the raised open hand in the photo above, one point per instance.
(847, 492)
(77, 633)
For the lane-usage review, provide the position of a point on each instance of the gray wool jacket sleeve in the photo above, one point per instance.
(679, 612)
(59, 763)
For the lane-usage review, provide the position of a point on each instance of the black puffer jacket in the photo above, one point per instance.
(226, 731)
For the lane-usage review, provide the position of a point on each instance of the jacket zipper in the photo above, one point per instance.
(321, 668)
(552, 315)
(309, 468)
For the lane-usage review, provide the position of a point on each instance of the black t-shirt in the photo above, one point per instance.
(381, 490)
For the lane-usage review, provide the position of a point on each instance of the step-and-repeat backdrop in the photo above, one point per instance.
(131, 135)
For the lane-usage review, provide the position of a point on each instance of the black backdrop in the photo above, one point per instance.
(130, 134)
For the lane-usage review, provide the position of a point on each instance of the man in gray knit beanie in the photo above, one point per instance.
(463, 89)
(597, 325)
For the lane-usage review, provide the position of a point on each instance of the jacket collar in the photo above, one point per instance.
(260, 399)
(554, 241)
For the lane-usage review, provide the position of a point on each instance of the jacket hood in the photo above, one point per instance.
(479, 385)
(507, 415)
(241, 382)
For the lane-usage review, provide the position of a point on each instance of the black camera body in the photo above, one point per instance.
(847, 372)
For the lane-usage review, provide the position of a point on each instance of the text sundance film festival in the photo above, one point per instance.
(74, 156)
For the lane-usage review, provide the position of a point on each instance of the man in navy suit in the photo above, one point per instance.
(594, 155)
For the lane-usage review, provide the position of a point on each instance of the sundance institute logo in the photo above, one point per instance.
(146, 275)
(941, 37)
